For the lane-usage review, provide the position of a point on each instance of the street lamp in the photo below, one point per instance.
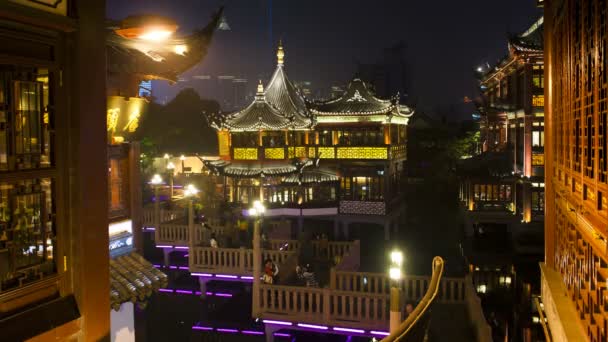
(256, 211)
(156, 181)
(395, 301)
(189, 192)
(170, 168)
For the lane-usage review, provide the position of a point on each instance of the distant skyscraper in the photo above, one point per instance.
(387, 76)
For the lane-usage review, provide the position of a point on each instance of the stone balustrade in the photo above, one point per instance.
(165, 215)
(451, 290)
(324, 306)
(235, 261)
(176, 234)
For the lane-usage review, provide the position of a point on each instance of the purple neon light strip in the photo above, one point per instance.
(173, 267)
(183, 291)
(186, 255)
(381, 333)
(182, 247)
(201, 274)
(282, 335)
(312, 326)
(268, 321)
(198, 293)
(217, 294)
(227, 330)
(247, 277)
(165, 290)
(157, 266)
(163, 246)
(358, 331)
(227, 276)
(196, 327)
(250, 332)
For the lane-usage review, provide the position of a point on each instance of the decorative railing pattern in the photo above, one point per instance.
(230, 260)
(165, 215)
(177, 234)
(451, 290)
(324, 306)
(398, 152)
(362, 208)
(325, 249)
(245, 153)
(274, 153)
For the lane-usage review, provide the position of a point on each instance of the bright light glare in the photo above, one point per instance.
(180, 49)
(166, 156)
(259, 207)
(397, 258)
(170, 166)
(190, 190)
(479, 69)
(182, 158)
(156, 179)
(155, 35)
(395, 273)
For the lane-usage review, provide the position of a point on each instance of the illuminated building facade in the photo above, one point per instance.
(575, 271)
(502, 190)
(53, 194)
(505, 184)
(344, 156)
(134, 59)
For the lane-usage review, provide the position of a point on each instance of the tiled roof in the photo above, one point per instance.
(258, 115)
(252, 169)
(133, 279)
(159, 61)
(309, 177)
(283, 95)
(530, 41)
(280, 106)
(358, 100)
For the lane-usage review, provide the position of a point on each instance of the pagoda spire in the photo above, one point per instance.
(280, 54)
(260, 88)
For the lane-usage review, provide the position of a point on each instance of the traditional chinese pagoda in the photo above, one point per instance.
(343, 158)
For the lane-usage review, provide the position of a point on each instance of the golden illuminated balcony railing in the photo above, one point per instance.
(245, 153)
(323, 152)
(538, 100)
(538, 159)
(274, 153)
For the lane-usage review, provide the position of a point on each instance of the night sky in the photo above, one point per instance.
(324, 39)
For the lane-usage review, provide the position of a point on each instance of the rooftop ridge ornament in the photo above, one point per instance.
(260, 88)
(356, 97)
(280, 54)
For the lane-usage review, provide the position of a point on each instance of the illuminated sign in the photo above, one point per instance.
(126, 241)
(120, 227)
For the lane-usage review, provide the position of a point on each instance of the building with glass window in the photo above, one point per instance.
(505, 184)
(575, 270)
(502, 189)
(338, 158)
(54, 267)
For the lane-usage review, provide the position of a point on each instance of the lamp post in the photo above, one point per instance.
(395, 302)
(156, 181)
(189, 193)
(257, 211)
(170, 168)
(182, 158)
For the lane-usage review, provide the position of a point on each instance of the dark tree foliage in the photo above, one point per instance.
(181, 126)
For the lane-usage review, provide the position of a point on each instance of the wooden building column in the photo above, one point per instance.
(549, 131)
(387, 134)
(88, 171)
(527, 202)
(527, 145)
(135, 196)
